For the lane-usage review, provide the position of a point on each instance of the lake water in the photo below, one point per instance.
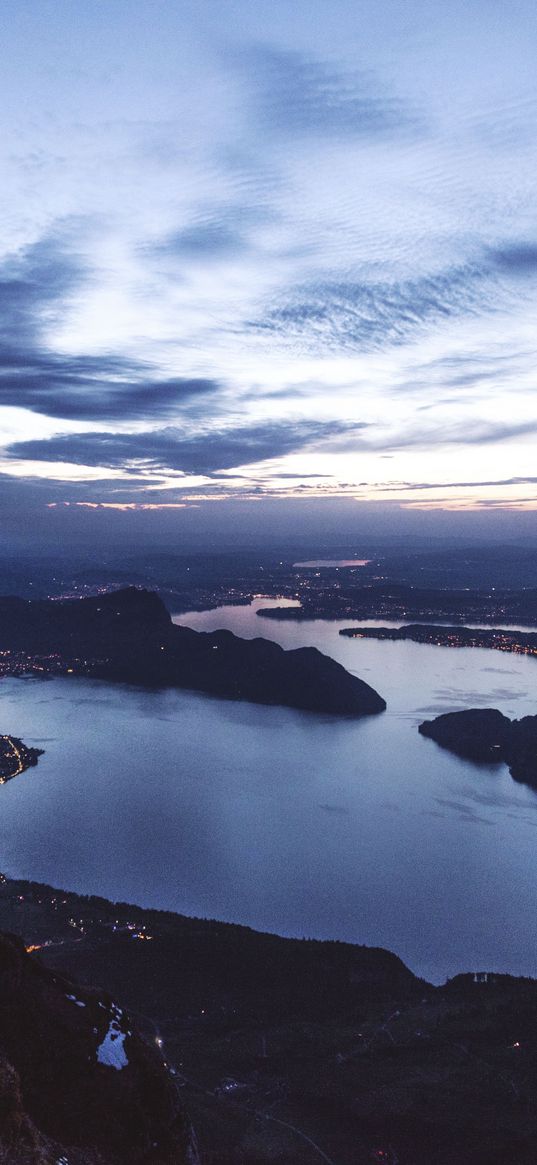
(333, 562)
(288, 821)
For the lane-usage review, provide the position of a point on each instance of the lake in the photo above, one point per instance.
(288, 821)
(333, 562)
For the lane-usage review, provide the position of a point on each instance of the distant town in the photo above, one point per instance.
(22, 663)
(15, 757)
(499, 639)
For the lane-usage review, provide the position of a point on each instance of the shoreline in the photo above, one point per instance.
(22, 892)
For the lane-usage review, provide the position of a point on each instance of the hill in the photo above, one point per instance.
(128, 636)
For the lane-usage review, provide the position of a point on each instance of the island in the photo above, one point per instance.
(128, 636)
(496, 638)
(15, 757)
(485, 735)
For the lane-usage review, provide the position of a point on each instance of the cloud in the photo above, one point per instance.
(370, 315)
(124, 507)
(295, 94)
(198, 453)
(468, 431)
(97, 388)
(464, 432)
(210, 240)
(32, 285)
(516, 258)
(394, 487)
(35, 287)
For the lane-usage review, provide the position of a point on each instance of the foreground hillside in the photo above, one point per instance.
(78, 1086)
(297, 1051)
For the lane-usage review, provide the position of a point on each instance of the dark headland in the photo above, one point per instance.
(487, 736)
(128, 636)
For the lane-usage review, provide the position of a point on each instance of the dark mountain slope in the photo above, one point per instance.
(278, 1043)
(129, 636)
(76, 1081)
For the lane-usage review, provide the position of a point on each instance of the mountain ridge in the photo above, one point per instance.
(128, 636)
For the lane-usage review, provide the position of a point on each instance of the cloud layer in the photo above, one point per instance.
(276, 255)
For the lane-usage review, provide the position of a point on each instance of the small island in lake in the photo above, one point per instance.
(15, 757)
(496, 638)
(486, 736)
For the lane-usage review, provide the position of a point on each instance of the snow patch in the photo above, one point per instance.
(111, 1052)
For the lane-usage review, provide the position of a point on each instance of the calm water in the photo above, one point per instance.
(288, 821)
(334, 562)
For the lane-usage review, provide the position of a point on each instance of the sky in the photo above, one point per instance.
(267, 266)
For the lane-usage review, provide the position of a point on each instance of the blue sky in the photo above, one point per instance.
(267, 254)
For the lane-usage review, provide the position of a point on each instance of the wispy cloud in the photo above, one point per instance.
(371, 315)
(411, 486)
(296, 94)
